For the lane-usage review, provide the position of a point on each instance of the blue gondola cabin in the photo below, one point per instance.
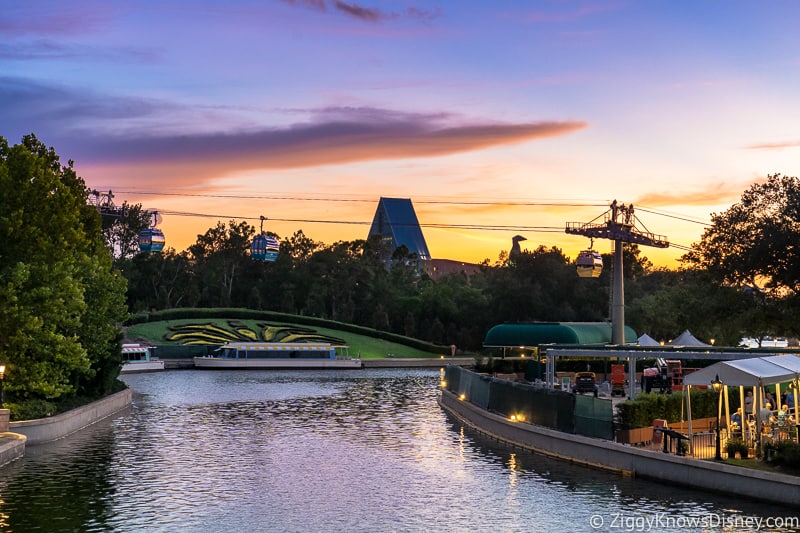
(151, 240)
(264, 248)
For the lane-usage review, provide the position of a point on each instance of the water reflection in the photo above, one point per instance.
(313, 451)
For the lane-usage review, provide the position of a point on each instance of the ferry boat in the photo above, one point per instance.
(139, 358)
(271, 355)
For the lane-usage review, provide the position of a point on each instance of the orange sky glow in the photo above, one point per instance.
(495, 118)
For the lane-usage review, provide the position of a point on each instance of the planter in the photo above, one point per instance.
(636, 436)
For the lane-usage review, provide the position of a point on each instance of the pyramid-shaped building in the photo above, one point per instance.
(396, 222)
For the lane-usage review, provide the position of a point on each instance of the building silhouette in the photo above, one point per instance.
(396, 223)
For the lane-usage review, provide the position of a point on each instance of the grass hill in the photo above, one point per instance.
(190, 331)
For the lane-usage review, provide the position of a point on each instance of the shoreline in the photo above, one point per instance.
(386, 362)
(623, 459)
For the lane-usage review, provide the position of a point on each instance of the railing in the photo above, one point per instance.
(704, 445)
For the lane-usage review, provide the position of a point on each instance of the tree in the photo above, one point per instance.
(121, 224)
(756, 242)
(60, 301)
(218, 256)
(160, 280)
(754, 247)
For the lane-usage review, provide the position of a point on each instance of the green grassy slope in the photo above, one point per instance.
(368, 347)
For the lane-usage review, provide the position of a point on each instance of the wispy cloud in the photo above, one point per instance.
(50, 49)
(713, 193)
(151, 139)
(363, 13)
(312, 144)
(774, 146)
(368, 14)
(203, 157)
(571, 14)
(54, 20)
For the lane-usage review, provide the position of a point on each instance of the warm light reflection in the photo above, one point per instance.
(461, 443)
(443, 384)
(513, 476)
(462, 396)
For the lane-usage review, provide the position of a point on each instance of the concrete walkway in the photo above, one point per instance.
(12, 446)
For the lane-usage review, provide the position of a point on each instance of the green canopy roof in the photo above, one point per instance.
(537, 333)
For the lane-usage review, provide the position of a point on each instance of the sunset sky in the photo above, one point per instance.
(495, 118)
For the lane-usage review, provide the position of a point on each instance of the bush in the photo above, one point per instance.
(31, 409)
(502, 366)
(641, 411)
(736, 445)
(787, 453)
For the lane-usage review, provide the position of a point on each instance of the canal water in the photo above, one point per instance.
(328, 451)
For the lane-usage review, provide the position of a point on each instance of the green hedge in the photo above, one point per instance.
(787, 453)
(641, 411)
(32, 409)
(251, 314)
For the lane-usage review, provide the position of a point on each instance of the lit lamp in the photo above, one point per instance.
(2, 377)
(716, 384)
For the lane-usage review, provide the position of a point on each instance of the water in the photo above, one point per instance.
(362, 450)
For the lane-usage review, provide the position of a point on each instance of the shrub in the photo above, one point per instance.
(31, 409)
(641, 411)
(736, 445)
(787, 453)
(34, 408)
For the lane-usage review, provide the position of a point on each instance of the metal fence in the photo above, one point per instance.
(570, 413)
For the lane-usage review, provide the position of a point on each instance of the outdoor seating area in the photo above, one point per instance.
(766, 388)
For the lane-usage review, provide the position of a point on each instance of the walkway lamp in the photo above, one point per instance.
(716, 384)
(2, 377)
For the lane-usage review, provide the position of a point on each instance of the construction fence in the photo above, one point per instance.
(559, 410)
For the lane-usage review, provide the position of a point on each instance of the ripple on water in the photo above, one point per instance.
(309, 451)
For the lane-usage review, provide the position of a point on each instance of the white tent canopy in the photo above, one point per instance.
(647, 340)
(754, 372)
(687, 339)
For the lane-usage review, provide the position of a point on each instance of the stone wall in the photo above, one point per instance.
(59, 426)
(651, 464)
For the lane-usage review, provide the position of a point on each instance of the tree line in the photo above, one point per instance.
(70, 277)
(727, 286)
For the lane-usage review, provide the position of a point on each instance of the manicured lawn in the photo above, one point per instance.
(368, 347)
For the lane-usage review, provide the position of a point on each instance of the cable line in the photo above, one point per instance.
(471, 227)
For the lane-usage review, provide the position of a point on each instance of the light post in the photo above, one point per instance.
(2, 377)
(717, 386)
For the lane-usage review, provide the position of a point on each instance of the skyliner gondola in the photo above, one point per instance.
(264, 247)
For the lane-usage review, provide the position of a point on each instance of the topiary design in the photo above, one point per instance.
(210, 333)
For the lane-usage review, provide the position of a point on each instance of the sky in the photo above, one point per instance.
(495, 118)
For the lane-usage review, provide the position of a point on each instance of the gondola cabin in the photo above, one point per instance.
(265, 248)
(589, 264)
(151, 240)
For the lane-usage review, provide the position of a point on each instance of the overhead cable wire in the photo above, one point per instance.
(551, 203)
(474, 227)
